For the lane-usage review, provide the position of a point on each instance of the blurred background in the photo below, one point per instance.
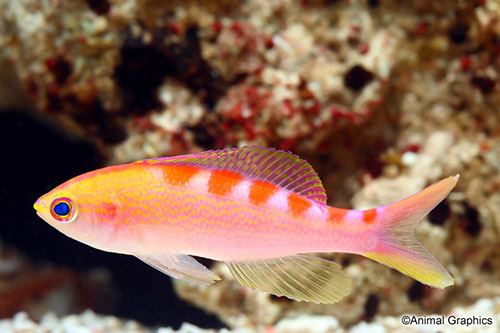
(383, 97)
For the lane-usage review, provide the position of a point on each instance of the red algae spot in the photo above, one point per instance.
(363, 48)
(179, 174)
(422, 28)
(369, 215)
(222, 182)
(336, 215)
(238, 28)
(297, 204)
(176, 28)
(269, 43)
(412, 147)
(465, 62)
(261, 191)
(60, 68)
(217, 26)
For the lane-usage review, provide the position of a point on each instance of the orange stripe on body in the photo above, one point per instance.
(261, 191)
(222, 182)
(336, 214)
(179, 174)
(297, 204)
(369, 215)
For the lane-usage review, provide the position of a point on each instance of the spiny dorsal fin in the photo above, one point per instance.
(281, 168)
(300, 277)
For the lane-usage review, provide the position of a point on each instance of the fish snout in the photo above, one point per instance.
(37, 205)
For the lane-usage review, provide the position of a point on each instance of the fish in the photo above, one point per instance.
(261, 211)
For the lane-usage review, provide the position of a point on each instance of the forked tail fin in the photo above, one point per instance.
(397, 246)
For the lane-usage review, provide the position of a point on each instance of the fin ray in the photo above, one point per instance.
(397, 246)
(299, 277)
(281, 168)
(312, 281)
(181, 266)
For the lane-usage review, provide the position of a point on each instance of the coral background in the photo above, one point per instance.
(382, 97)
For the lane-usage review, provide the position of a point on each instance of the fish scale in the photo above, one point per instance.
(261, 211)
(224, 182)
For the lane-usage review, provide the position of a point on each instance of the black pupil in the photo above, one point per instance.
(61, 209)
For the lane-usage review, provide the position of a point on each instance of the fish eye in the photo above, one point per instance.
(63, 210)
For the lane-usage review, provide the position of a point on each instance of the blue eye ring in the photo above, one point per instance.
(63, 210)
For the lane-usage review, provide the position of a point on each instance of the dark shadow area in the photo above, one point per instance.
(144, 67)
(35, 159)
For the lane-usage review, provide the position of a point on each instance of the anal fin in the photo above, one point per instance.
(299, 277)
(181, 266)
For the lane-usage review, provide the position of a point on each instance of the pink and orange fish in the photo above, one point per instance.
(261, 211)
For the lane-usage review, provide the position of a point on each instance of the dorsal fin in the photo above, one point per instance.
(281, 168)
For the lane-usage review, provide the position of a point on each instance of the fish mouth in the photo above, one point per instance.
(37, 207)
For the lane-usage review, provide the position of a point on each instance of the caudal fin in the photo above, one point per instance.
(397, 246)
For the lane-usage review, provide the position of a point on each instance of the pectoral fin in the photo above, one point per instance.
(300, 277)
(181, 266)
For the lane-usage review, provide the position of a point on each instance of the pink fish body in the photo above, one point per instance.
(261, 211)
